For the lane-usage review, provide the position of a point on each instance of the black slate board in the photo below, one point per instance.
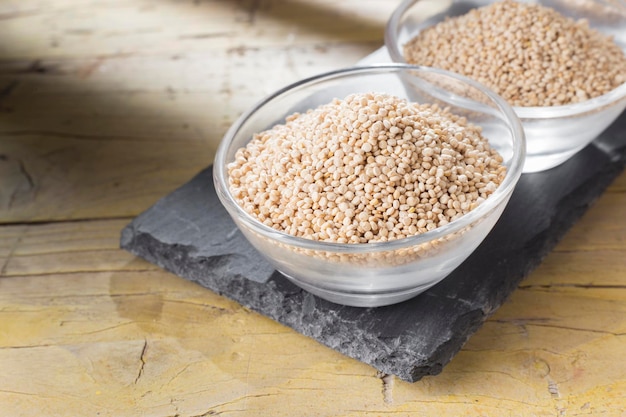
(190, 234)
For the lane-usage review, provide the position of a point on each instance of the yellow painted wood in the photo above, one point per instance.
(106, 106)
(553, 346)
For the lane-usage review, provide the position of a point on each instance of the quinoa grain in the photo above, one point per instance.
(529, 54)
(319, 177)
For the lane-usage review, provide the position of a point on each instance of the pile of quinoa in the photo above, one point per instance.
(529, 54)
(368, 168)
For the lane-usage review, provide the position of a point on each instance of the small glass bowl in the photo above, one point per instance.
(553, 134)
(375, 274)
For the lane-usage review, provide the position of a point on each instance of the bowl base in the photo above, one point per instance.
(544, 162)
(361, 299)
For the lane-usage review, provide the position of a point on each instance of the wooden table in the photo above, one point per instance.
(106, 106)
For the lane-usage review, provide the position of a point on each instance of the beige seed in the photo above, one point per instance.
(320, 177)
(523, 52)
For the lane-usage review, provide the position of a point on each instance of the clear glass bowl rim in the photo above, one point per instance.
(494, 200)
(537, 112)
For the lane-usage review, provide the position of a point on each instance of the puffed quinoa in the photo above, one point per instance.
(369, 168)
(529, 54)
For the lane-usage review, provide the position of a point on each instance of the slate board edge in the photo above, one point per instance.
(173, 259)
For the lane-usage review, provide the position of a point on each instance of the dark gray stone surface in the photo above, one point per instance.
(190, 234)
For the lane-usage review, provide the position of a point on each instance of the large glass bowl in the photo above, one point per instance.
(553, 134)
(374, 274)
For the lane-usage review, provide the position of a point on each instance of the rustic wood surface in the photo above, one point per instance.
(107, 105)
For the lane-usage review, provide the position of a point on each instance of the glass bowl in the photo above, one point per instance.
(377, 273)
(553, 134)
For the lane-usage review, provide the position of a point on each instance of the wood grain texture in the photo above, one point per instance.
(105, 106)
(97, 329)
(114, 104)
